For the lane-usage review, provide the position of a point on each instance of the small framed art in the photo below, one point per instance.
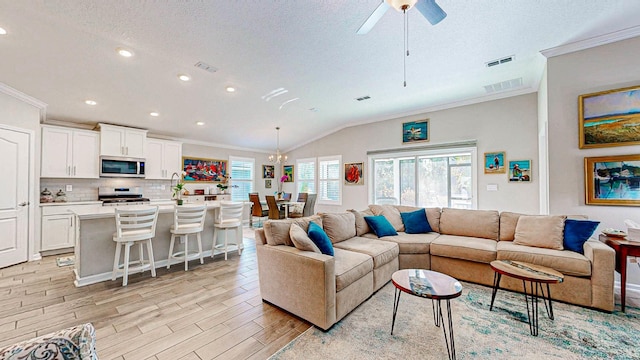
(612, 180)
(519, 170)
(267, 184)
(288, 171)
(494, 163)
(415, 131)
(268, 171)
(354, 173)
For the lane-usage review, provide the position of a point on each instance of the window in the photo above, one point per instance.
(242, 177)
(425, 178)
(306, 175)
(329, 180)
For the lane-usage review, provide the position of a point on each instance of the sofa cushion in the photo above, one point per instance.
(464, 247)
(339, 226)
(382, 252)
(350, 266)
(544, 231)
(276, 232)
(412, 243)
(320, 238)
(415, 222)
(473, 223)
(391, 213)
(380, 225)
(576, 233)
(361, 225)
(301, 240)
(508, 222)
(566, 262)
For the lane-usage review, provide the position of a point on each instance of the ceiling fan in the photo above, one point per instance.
(428, 8)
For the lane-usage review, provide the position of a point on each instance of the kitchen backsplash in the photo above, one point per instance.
(87, 189)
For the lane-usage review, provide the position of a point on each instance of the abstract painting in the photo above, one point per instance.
(268, 171)
(354, 173)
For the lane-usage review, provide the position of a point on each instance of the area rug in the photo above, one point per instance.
(576, 333)
(66, 260)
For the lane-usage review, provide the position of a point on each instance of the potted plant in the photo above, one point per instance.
(283, 178)
(224, 184)
(177, 192)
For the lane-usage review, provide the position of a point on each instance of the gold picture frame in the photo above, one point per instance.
(202, 170)
(609, 118)
(612, 180)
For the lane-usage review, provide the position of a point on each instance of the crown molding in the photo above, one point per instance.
(592, 42)
(4, 88)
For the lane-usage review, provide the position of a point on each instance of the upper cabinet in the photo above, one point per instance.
(69, 153)
(163, 158)
(122, 141)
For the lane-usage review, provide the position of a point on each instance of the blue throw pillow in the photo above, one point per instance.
(415, 222)
(380, 225)
(320, 238)
(577, 232)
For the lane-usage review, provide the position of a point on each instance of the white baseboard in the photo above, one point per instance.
(633, 290)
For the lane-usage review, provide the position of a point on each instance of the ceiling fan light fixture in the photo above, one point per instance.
(401, 5)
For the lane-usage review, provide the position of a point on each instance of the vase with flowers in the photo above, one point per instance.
(224, 184)
(280, 193)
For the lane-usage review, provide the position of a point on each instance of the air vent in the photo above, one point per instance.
(503, 85)
(366, 97)
(205, 67)
(501, 61)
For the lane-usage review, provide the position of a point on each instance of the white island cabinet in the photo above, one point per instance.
(69, 153)
(59, 224)
(122, 141)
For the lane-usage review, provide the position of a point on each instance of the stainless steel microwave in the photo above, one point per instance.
(112, 166)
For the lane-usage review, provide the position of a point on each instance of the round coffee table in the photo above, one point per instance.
(534, 274)
(435, 286)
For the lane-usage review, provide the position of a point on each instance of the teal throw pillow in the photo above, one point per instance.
(577, 232)
(380, 226)
(415, 222)
(320, 238)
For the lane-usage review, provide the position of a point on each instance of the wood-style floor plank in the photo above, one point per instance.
(212, 311)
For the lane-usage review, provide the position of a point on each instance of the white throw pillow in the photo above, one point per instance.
(301, 240)
(540, 231)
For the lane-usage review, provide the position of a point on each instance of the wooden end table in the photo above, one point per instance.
(623, 248)
(435, 286)
(534, 274)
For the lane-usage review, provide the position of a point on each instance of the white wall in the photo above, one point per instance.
(605, 67)
(502, 125)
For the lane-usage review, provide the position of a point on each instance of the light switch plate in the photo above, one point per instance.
(69, 188)
(492, 187)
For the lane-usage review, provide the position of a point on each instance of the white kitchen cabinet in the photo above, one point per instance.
(122, 141)
(163, 158)
(59, 225)
(69, 153)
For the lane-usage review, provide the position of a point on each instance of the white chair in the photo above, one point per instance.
(187, 220)
(230, 219)
(134, 226)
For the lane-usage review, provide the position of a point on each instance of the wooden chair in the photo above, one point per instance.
(134, 227)
(274, 209)
(256, 208)
(297, 211)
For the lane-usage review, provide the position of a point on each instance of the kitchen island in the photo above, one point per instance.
(95, 249)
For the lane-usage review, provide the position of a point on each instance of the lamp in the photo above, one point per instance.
(278, 157)
(401, 5)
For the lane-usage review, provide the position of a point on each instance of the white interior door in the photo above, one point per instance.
(14, 197)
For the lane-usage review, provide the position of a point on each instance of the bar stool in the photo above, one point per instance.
(134, 226)
(230, 218)
(187, 220)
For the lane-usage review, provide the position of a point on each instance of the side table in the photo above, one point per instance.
(623, 248)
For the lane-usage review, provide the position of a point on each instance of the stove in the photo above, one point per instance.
(121, 196)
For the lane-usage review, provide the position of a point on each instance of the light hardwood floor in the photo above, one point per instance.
(212, 311)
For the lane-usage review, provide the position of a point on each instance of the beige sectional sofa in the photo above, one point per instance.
(322, 289)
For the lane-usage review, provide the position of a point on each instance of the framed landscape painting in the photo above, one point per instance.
(610, 118)
(494, 163)
(612, 180)
(203, 170)
(268, 171)
(288, 171)
(415, 131)
(354, 173)
(519, 170)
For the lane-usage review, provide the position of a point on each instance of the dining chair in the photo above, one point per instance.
(256, 208)
(230, 219)
(134, 227)
(274, 209)
(187, 220)
(310, 205)
(286, 197)
(297, 210)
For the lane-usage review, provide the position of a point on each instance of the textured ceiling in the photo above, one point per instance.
(63, 52)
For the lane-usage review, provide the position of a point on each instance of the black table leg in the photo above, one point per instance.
(547, 300)
(496, 284)
(435, 306)
(396, 302)
(448, 338)
(533, 313)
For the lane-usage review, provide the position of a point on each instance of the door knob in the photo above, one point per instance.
(24, 203)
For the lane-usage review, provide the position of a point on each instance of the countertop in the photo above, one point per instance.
(72, 203)
(98, 212)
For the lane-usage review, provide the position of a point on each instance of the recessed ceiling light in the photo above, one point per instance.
(3, 31)
(230, 89)
(184, 77)
(154, 114)
(199, 123)
(124, 52)
(90, 102)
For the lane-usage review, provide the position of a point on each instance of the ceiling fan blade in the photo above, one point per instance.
(373, 19)
(431, 11)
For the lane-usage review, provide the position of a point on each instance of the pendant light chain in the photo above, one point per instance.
(406, 45)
